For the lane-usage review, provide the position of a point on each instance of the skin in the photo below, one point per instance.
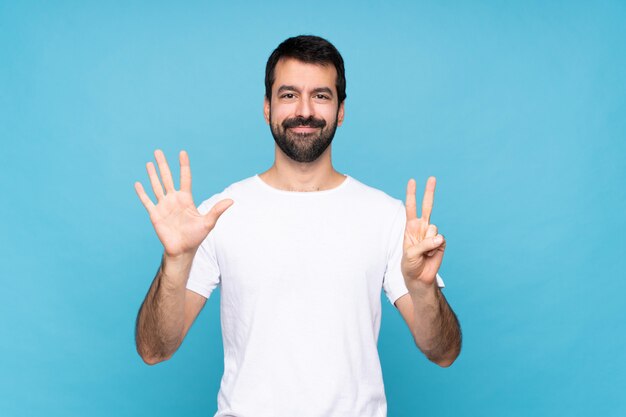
(303, 100)
(169, 308)
(432, 322)
(304, 90)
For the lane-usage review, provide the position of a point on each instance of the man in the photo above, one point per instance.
(300, 253)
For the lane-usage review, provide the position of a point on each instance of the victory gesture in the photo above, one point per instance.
(423, 246)
(178, 224)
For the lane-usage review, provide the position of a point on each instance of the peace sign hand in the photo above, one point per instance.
(423, 246)
(178, 224)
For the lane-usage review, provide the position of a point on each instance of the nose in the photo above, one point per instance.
(304, 108)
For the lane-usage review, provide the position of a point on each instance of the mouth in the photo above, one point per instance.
(303, 129)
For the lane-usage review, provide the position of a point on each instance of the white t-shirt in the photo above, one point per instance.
(301, 275)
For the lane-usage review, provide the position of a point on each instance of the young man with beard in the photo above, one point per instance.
(300, 253)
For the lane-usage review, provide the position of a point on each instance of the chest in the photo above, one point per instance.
(294, 249)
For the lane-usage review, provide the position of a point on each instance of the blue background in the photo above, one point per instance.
(518, 108)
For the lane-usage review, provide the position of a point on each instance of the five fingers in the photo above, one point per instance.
(185, 185)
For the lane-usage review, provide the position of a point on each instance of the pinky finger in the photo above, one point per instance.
(145, 200)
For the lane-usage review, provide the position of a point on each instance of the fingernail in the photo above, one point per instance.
(438, 239)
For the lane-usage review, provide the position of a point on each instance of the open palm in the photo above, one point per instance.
(178, 224)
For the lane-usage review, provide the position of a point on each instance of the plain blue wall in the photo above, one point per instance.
(518, 108)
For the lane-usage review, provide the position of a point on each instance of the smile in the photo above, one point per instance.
(303, 129)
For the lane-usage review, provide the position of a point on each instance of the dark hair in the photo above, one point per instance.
(311, 50)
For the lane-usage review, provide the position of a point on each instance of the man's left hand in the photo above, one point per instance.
(423, 245)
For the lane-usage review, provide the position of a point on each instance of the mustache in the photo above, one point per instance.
(303, 122)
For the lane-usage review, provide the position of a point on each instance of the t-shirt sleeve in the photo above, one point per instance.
(393, 281)
(204, 275)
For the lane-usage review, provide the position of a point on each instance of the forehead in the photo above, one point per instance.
(297, 73)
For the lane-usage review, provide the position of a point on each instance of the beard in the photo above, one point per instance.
(303, 147)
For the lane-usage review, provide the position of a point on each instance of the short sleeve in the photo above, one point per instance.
(393, 281)
(204, 275)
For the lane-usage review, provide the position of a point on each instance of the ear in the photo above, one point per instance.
(266, 110)
(340, 114)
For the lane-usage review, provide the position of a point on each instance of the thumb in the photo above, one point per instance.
(426, 245)
(216, 211)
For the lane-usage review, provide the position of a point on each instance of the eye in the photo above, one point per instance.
(322, 97)
(287, 95)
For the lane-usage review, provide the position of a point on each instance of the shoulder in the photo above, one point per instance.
(375, 198)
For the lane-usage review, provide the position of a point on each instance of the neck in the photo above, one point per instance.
(289, 175)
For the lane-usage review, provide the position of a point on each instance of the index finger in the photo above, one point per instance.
(411, 204)
(429, 197)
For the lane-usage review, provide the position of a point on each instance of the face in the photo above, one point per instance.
(304, 111)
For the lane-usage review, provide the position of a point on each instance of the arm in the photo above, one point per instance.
(169, 308)
(432, 322)
(167, 312)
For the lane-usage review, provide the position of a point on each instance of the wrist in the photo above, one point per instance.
(420, 289)
(179, 259)
(175, 269)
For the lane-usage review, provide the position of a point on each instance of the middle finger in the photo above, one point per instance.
(429, 197)
(166, 175)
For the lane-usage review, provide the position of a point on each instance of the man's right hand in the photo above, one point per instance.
(178, 224)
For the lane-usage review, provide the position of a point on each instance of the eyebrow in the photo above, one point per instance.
(315, 90)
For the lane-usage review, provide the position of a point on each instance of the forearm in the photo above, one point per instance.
(436, 329)
(160, 321)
